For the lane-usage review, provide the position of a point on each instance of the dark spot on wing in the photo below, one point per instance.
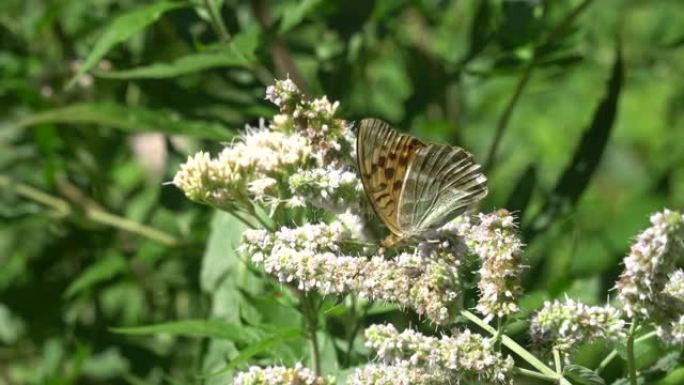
(389, 173)
(381, 161)
(397, 185)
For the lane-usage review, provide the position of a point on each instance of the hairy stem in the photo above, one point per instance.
(614, 353)
(515, 348)
(311, 323)
(557, 361)
(631, 365)
(537, 375)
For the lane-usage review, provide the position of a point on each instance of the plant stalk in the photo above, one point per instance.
(537, 375)
(614, 353)
(515, 348)
(561, 27)
(311, 322)
(631, 365)
(63, 209)
(217, 21)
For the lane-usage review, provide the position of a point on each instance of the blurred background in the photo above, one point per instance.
(575, 107)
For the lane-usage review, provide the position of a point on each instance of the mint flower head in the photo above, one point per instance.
(651, 259)
(314, 257)
(493, 238)
(244, 169)
(280, 375)
(402, 373)
(671, 326)
(563, 325)
(462, 357)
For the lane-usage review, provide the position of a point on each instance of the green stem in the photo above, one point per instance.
(515, 348)
(506, 115)
(557, 361)
(613, 354)
(312, 322)
(217, 21)
(525, 77)
(537, 375)
(631, 365)
(63, 208)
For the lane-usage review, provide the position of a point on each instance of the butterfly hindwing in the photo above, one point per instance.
(441, 183)
(383, 157)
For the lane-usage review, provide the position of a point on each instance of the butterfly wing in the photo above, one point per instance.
(441, 183)
(383, 156)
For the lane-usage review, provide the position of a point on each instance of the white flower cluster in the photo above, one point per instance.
(651, 258)
(282, 92)
(313, 256)
(251, 165)
(562, 325)
(463, 356)
(402, 373)
(332, 188)
(256, 165)
(493, 238)
(332, 139)
(675, 285)
(279, 375)
(671, 329)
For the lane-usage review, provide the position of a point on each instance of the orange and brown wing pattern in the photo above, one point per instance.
(383, 156)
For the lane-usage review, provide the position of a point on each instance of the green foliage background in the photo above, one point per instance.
(91, 240)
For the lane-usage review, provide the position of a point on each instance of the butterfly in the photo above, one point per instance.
(414, 187)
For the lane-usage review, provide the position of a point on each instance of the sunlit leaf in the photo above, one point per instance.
(194, 328)
(238, 53)
(121, 29)
(258, 347)
(577, 175)
(130, 119)
(293, 16)
(582, 376)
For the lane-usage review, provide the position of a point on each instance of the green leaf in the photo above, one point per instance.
(239, 52)
(294, 15)
(121, 29)
(130, 119)
(195, 328)
(586, 159)
(481, 29)
(582, 376)
(102, 270)
(522, 192)
(257, 348)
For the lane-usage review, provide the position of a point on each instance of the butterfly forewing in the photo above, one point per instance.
(441, 183)
(383, 156)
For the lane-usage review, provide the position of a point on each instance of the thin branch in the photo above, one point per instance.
(282, 58)
(631, 364)
(505, 118)
(312, 324)
(537, 375)
(613, 354)
(513, 346)
(63, 208)
(217, 21)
